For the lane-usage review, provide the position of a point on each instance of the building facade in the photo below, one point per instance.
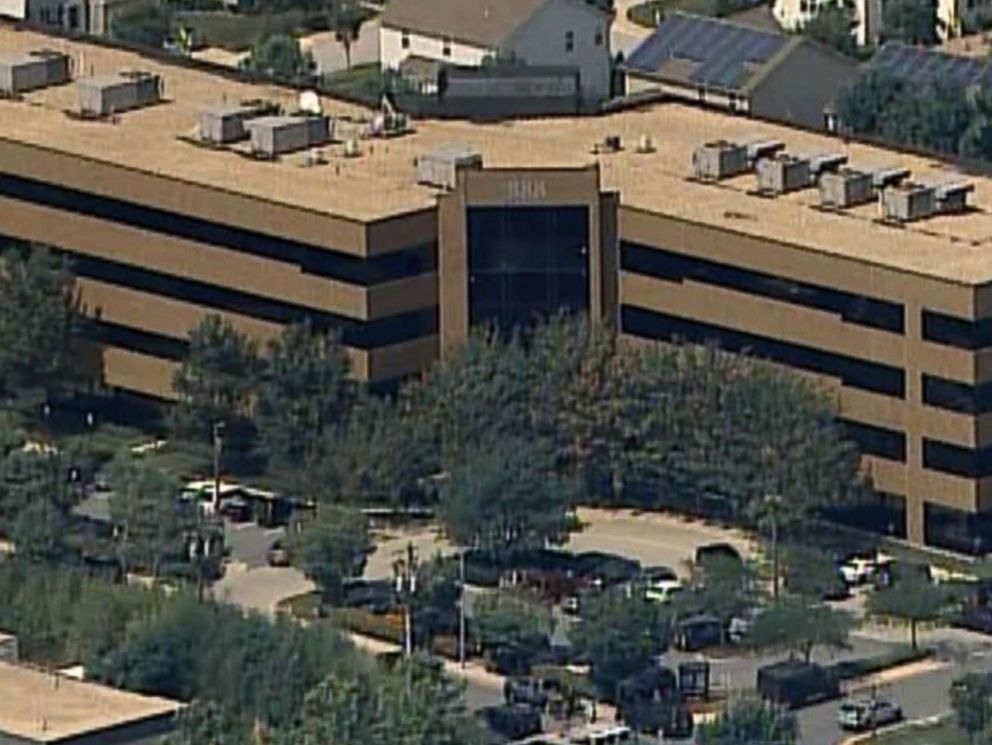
(597, 215)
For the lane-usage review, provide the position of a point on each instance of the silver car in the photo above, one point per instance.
(858, 716)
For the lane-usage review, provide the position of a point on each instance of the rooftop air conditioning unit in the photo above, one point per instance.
(40, 69)
(223, 124)
(719, 159)
(276, 135)
(440, 167)
(845, 188)
(822, 163)
(908, 201)
(783, 173)
(952, 196)
(886, 176)
(110, 94)
(759, 147)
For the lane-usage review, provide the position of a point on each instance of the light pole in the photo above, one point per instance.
(218, 437)
(772, 504)
(461, 609)
(405, 571)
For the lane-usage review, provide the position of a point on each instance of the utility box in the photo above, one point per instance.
(26, 72)
(908, 201)
(440, 167)
(104, 95)
(223, 124)
(783, 173)
(718, 160)
(275, 135)
(8, 648)
(845, 188)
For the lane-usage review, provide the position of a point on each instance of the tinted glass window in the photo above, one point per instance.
(885, 443)
(957, 460)
(870, 376)
(526, 263)
(864, 311)
(957, 332)
(313, 259)
(956, 530)
(956, 396)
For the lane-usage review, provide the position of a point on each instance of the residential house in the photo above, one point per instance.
(558, 33)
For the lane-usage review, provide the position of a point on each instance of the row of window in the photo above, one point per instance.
(359, 334)
(676, 267)
(310, 258)
(597, 39)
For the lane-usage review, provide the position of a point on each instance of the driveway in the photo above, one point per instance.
(329, 54)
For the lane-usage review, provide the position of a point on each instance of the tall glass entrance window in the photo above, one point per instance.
(526, 263)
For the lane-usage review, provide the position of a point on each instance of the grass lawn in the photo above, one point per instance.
(942, 733)
(238, 31)
(361, 81)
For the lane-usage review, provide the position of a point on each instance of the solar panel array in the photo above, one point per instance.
(726, 53)
(921, 66)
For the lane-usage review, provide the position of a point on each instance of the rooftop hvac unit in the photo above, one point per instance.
(224, 124)
(440, 167)
(845, 188)
(952, 196)
(761, 147)
(720, 159)
(783, 173)
(821, 163)
(110, 94)
(276, 135)
(886, 176)
(908, 201)
(39, 69)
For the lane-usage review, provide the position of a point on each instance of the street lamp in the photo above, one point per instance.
(405, 572)
(218, 436)
(772, 503)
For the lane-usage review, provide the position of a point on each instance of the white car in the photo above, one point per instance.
(663, 591)
(857, 716)
(862, 568)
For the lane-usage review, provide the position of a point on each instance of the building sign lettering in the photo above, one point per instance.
(525, 190)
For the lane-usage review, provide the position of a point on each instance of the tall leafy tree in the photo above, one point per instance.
(800, 625)
(913, 600)
(146, 23)
(216, 381)
(280, 56)
(304, 394)
(971, 701)
(151, 523)
(505, 495)
(39, 316)
(833, 25)
(331, 547)
(750, 721)
(346, 20)
(505, 619)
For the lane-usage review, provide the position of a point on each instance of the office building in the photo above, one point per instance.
(774, 244)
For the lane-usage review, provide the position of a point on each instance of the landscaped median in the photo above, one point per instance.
(941, 731)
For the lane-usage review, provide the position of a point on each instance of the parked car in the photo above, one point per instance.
(278, 555)
(698, 632)
(658, 574)
(513, 721)
(663, 591)
(857, 716)
(526, 690)
(721, 551)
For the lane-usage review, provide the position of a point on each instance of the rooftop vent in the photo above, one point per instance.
(224, 124)
(38, 69)
(275, 135)
(908, 201)
(759, 147)
(440, 167)
(885, 176)
(783, 173)
(104, 95)
(822, 163)
(719, 159)
(846, 187)
(952, 196)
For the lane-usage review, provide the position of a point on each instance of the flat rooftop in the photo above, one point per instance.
(381, 182)
(33, 707)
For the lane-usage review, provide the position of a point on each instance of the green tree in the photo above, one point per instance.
(862, 106)
(151, 523)
(810, 572)
(280, 56)
(508, 494)
(304, 394)
(721, 586)
(971, 701)
(147, 23)
(913, 600)
(833, 26)
(435, 603)
(414, 704)
(507, 619)
(206, 723)
(800, 625)
(976, 141)
(216, 382)
(39, 317)
(750, 721)
(331, 547)
(346, 20)
(911, 21)
(620, 634)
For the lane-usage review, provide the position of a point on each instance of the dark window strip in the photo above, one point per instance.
(136, 340)
(360, 334)
(869, 376)
(957, 460)
(312, 259)
(957, 332)
(956, 396)
(857, 309)
(875, 440)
